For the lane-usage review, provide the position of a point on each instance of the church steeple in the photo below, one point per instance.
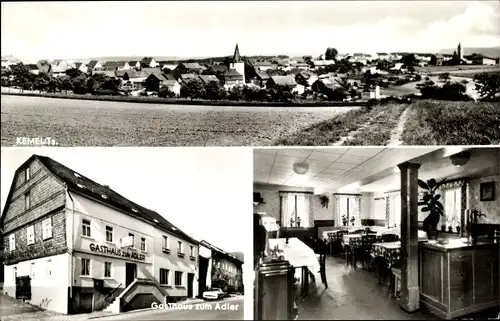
(236, 57)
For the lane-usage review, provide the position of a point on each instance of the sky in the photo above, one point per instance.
(203, 191)
(52, 30)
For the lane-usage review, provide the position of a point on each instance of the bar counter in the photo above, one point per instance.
(460, 277)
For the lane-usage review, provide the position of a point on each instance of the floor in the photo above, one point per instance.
(353, 295)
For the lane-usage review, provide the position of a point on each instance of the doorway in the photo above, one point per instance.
(190, 285)
(130, 273)
(202, 275)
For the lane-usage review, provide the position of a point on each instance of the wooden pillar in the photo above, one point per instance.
(410, 292)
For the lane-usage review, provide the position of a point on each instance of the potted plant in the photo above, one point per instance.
(352, 220)
(432, 205)
(291, 222)
(324, 200)
(443, 227)
(298, 221)
(344, 220)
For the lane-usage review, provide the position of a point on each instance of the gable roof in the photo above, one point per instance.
(221, 252)
(147, 60)
(113, 64)
(232, 73)
(32, 66)
(284, 80)
(133, 62)
(95, 190)
(208, 78)
(191, 65)
(169, 82)
(132, 73)
(92, 63)
(169, 77)
(149, 71)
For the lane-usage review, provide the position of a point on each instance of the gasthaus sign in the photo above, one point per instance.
(116, 252)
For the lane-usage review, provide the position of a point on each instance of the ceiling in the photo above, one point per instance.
(362, 169)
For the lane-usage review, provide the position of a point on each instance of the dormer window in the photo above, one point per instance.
(134, 210)
(77, 175)
(104, 196)
(80, 185)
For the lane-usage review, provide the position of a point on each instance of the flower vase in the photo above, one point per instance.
(458, 229)
(450, 229)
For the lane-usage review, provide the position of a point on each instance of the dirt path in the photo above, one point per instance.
(398, 131)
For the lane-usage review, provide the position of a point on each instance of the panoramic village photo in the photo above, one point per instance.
(250, 73)
(377, 233)
(119, 234)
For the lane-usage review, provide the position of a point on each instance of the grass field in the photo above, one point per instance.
(456, 68)
(100, 123)
(452, 123)
(378, 131)
(330, 131)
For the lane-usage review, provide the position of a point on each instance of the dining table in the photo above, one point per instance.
(300, 256)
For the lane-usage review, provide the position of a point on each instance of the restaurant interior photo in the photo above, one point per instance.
(376, 233)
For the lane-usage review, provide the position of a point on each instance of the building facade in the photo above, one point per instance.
(219, 269)
(72, 245)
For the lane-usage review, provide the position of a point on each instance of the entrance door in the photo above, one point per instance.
(86, 302)
(130, 273)
(190, 285)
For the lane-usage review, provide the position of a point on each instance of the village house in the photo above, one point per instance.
(134, 64)
(159, 80)
(33, 68)
(219, 269)
(148, 62)
(231, 78)
(283, 81)
(185, 78)
(8, 61)
(44, 66)
(94, 65)
(115, 65)
(260, 79)
(132, 78)
(477, 59)
(206, 79)
(82, 67)
(262, 65)
(75, 246)
(323, 63)
(190, 67)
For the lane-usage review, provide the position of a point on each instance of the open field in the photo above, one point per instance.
(452, 123)
(464, 68)
(471, 73)
(101, 123)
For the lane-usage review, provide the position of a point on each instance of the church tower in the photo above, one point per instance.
(460, 54)
(237, 63)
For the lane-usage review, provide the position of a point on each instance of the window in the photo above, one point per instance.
(452, 207)
(295, 207)
(107, 269)
(179, 247)
(49, 268)
(12, 242)
(133, 239)
(30, 234)
(191, 250)
(178, 278)
(349, 207)
(47, 228)
(85, 267)
(32, 270)
(109, 234)
(15, 273)
(27, 201)
(165, 242)
(28, 174)
(164, 276)
(143, 244)
(85, 228)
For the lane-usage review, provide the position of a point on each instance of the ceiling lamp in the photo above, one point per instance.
(460, 159)
(301, 169)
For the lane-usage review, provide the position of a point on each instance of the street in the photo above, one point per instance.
(227, 309)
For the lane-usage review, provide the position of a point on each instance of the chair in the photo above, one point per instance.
(396, 285)
(389, 238)
(366, 246)
(323, 251)
(357, 232)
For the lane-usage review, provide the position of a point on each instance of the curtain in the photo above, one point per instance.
(350, 207)
(387, 211)
(452, 207)
(393, 209)
(338, 214)
(296, 206)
